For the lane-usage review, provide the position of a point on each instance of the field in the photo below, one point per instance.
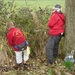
(38, 3)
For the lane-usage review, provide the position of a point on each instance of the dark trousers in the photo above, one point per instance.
(52, 47)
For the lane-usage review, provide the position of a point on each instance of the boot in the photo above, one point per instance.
(25, 66)
(16, 66)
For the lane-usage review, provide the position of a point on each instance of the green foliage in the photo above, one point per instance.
(68, 64)
(44, 14)
(32, 73)
(50, 72)
(23, 19)
(33, 25)
(13, 72)
(5, 9)
(24, 71)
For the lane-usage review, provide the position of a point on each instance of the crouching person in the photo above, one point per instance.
(16, 39)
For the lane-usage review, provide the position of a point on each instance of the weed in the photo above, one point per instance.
(68, 64)
(50, 72)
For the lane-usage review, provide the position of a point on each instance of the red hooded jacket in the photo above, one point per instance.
(56, 23)
(15, 36)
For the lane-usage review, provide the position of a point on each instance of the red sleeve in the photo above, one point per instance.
(9, 38)
(54, 18)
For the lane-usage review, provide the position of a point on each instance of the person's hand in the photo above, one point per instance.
(28, 50)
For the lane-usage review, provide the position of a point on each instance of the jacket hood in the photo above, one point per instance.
(60, 14)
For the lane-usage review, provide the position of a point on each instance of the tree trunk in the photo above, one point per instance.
(69, 41)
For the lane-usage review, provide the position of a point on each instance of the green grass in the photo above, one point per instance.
(50, 72)
(37, 3)
(68, 64)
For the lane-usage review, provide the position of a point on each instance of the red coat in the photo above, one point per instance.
(56, 23)
(15, 37)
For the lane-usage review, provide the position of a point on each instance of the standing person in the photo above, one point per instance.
(56, 31)
(17, 40)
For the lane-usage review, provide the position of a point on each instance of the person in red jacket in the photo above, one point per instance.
(17, 40)
(56, 31)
